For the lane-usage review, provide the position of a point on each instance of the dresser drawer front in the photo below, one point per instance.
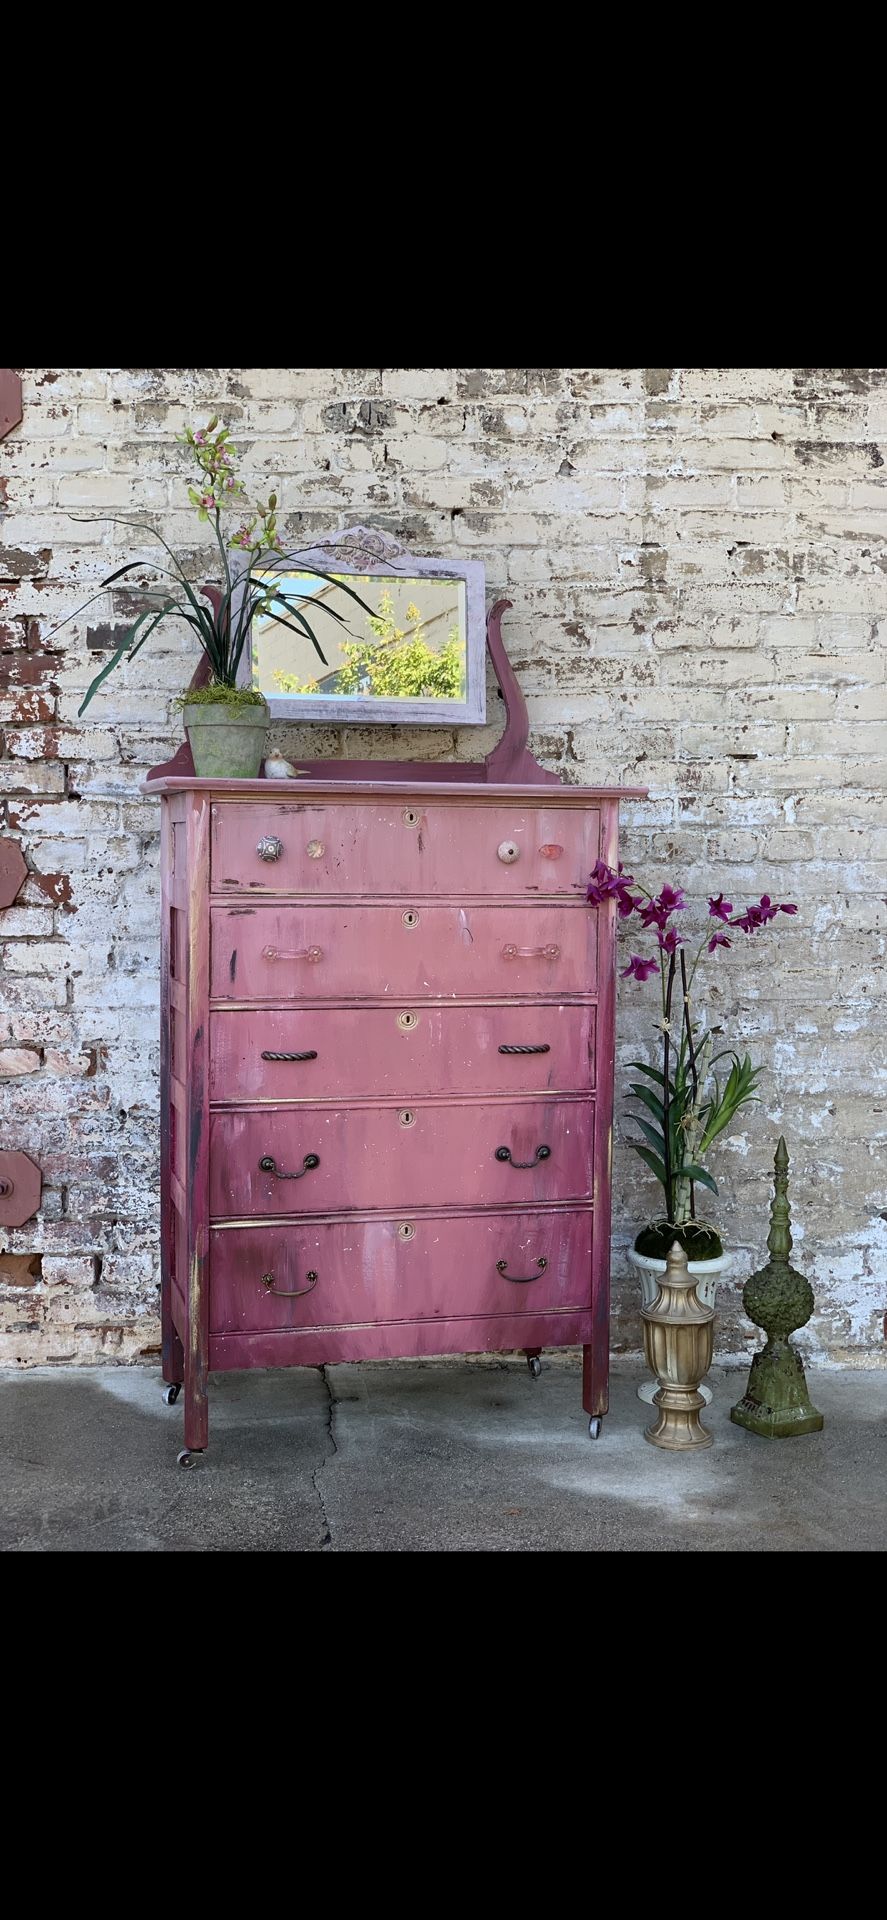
(375, 952)
(367, 1272)
(403, 847)
(426, 1154)
(349, 1051)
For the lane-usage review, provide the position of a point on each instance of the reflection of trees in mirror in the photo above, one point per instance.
(398, 663)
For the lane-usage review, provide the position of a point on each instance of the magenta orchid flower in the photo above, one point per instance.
(718, 940)
(669, 941)
(638, 968)
(760, 915)
(720, 909)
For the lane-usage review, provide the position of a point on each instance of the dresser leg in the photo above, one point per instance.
(595, 1381)
(196, 1408)
(173, 1357)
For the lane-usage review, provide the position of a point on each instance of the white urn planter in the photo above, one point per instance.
(706, 1273)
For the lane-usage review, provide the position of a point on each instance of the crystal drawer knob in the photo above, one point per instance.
(508, 852)
(270, 848)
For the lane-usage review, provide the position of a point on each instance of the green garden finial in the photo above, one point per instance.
(776, 1403)
(779, 1239)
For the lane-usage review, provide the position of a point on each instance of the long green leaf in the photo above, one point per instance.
(317, 606)
(650, 1101)
(335, 579)
(652, 1071)
(129, 647)
(100, 589)
(655, 1165)
(700, 1176)
(107, 668)
(739, 1090)
(202, 615)
(150, 629)
(652, 1135)
(303, 624)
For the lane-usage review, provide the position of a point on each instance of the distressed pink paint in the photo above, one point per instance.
(368, 1272)
(429, 1153)
(389, 1051)
(379, 848)
(406, 933)
(419, 952)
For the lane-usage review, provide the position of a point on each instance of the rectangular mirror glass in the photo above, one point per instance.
(393, 636)
(412, 646)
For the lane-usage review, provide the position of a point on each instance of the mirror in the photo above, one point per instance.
(394, 637)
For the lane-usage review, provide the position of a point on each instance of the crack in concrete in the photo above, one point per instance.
(327, 1540)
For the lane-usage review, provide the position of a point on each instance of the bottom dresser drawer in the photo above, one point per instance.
(357, 1272)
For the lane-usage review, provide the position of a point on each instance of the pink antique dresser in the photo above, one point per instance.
(387, 1066)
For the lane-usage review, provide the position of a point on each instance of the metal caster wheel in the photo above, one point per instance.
(594, 1427)
(188, 1459)
(535, 1365)
(171, 1394)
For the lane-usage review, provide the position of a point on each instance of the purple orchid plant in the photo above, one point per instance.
(687, 1104)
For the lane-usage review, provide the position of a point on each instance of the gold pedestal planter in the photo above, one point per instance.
(678, 1344)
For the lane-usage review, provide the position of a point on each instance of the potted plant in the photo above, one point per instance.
(686, 1104)
(226, 722)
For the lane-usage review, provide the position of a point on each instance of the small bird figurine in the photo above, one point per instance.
(277, 768)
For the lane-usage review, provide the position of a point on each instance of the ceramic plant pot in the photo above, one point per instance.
(227, 742)
(706, 1274)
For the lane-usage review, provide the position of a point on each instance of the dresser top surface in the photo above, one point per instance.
(543, 796)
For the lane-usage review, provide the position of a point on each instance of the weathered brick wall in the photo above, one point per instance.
(698, 565)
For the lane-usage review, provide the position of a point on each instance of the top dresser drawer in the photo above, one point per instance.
(414, 847)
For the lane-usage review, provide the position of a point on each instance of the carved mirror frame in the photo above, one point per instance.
(366, 551)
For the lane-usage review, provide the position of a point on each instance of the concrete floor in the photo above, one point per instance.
(455, 1456)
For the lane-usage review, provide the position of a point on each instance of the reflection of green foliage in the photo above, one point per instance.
(397, 663)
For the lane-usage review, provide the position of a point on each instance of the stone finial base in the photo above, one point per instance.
(776, 1403)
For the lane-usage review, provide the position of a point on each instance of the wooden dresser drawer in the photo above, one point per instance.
(381, 847)
(426, 1154)
(363, 1271)
(349, 1051)
(284, 953)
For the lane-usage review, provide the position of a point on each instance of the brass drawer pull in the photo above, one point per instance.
(312, 954)
(545, 1049)
(517, 1279)
(268, 1164)
(270, 848)
(288, 1056)
(292, 1293)
(541, 1153)
(530, 953)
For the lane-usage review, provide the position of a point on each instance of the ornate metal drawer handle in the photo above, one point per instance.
(270, 848)
(541, 1153)
(545, 1049)
(517, 1279)
(289, 1294)
(530, 953)
(268, 1164)
(313, 954)
(288, 1056)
